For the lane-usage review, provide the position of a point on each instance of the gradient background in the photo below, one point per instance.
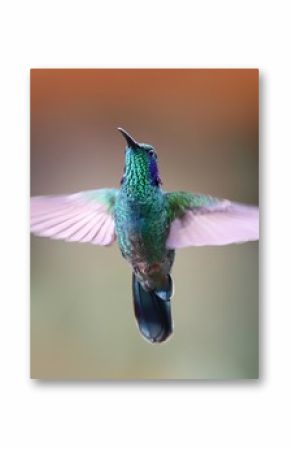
(204, 125)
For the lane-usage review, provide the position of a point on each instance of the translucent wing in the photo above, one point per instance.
(198, 220)
(81, 217)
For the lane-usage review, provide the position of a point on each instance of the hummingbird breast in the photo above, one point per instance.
(142, 227)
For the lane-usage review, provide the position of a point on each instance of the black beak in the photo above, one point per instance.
(130, 141)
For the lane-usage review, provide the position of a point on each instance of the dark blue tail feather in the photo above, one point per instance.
(153, 311)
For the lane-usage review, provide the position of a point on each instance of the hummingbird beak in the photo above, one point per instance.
(130, 141)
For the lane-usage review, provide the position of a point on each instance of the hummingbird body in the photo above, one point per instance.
(142, 221)
(149, 225)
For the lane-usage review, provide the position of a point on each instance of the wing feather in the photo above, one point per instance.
(212, 222)
(81, 217)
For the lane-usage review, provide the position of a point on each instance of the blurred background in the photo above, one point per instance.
(204, 125)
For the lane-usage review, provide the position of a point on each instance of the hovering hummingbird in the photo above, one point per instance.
(148, 225)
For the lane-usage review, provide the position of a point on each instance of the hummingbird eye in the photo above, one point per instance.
(152, 153)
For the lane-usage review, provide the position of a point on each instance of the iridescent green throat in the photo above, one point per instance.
(141, 172)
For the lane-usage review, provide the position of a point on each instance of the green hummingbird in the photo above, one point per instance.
(148, 225)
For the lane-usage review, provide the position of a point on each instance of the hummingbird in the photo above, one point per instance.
(149, 225)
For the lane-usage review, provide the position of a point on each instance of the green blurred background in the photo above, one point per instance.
(204, 125)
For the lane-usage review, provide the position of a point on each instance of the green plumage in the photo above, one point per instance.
(143, 214)
(142, 220)
(180, 202)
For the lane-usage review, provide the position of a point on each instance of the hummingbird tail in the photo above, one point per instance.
(153, 311)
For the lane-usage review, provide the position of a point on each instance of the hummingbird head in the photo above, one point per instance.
(140, 162)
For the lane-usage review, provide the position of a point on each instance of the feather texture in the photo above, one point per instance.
(81, 217)
(219, 222)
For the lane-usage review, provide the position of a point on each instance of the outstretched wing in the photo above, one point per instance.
(81, 217)
(198, 220)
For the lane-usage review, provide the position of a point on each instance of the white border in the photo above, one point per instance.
(149, 34)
